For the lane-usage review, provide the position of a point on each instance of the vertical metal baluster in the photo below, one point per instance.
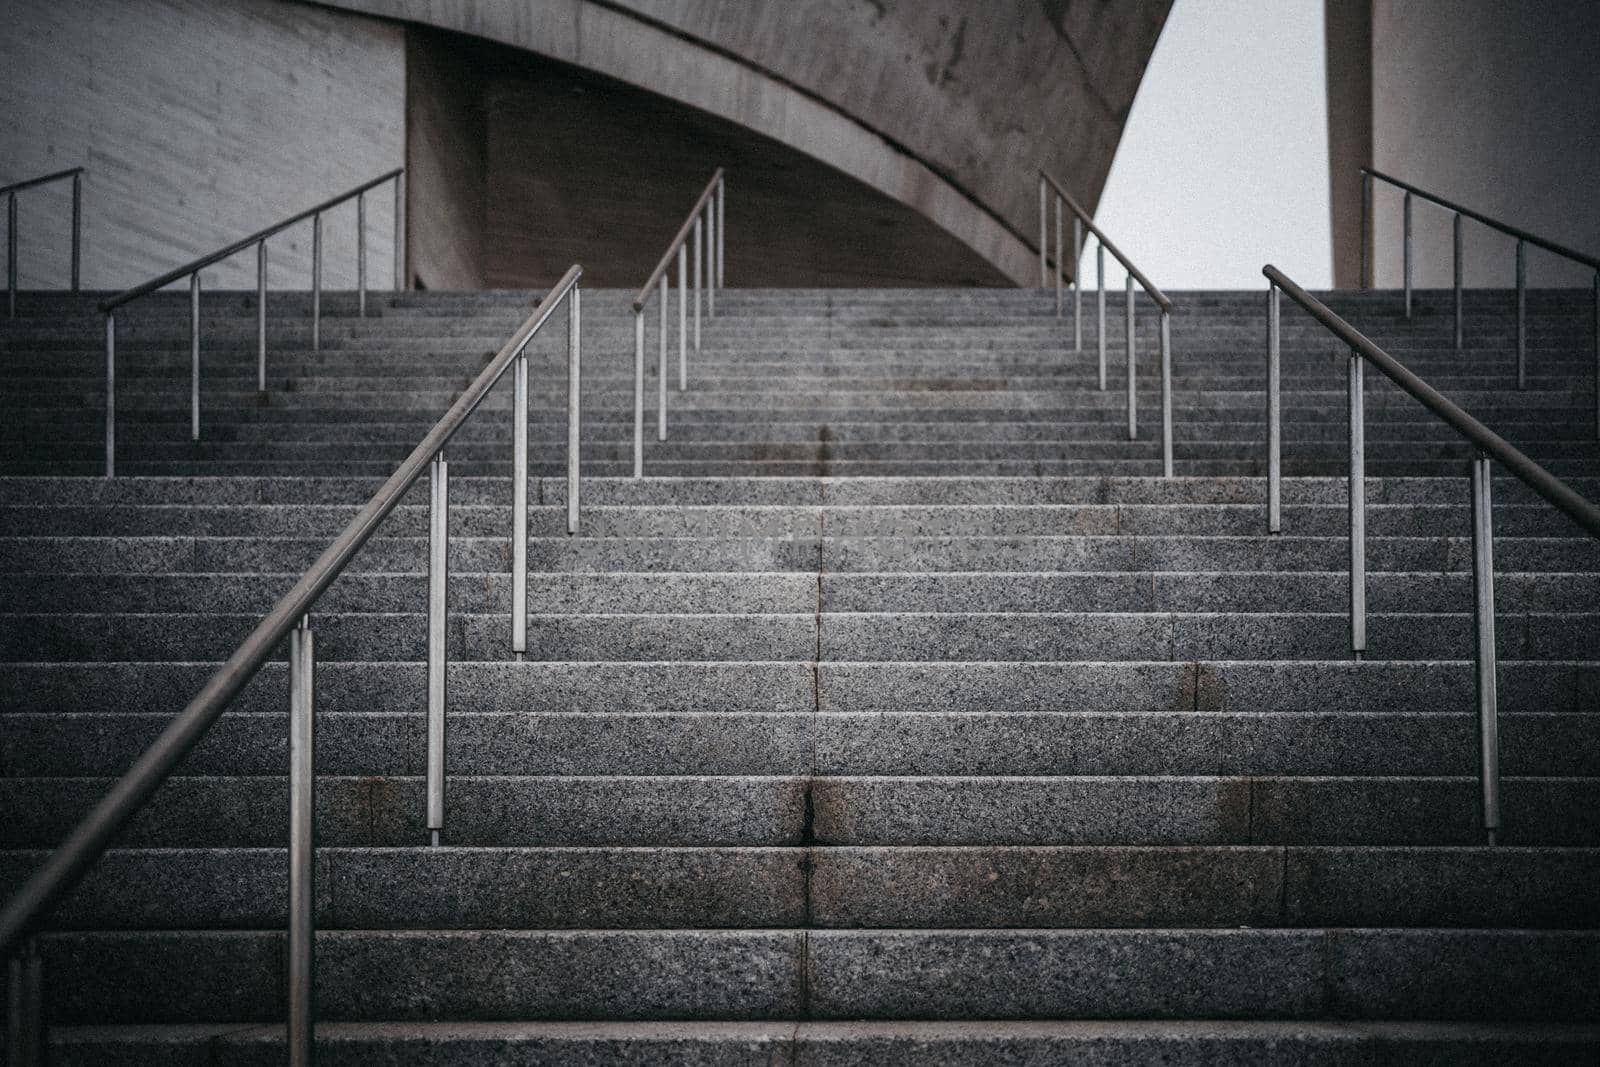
(261, 316)
(1166, 393)
(77, 227)
(1133, 383)
(683, 318)
(1077, 285)
(438, 591)
(574, 402)
(722, 230)
(1060, 268)
(1483, 640)
(1596, 302)
(1358, 509)
(1274, 417)
(711, 258)
(519, 503)
(194, 356)
(1100, 306)
(1522, 316)
(316, 283)
(661, 363)
(1407, 226)
(302, 840)
(361, 254)
(638, 393)
(1043, 215)
(399, 232)
(1456, 251)
(11, 252)
(111, 394)
(699, 280)
(1365, 280)
(25, 1036)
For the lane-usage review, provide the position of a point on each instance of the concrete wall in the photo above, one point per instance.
(200, 121)
(1494, 104)
(944, 106)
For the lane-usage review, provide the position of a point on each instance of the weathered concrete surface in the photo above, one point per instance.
(944, 109)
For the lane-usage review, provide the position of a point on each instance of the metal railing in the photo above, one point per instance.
(258, 240)
(1081, 221)
(705, 225)
(11, 191)
(1523, 238)
(290, 618)
(1489, 448)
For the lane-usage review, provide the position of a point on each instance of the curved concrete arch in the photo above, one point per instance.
(944, 112)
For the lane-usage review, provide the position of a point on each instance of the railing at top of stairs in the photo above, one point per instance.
(192, 269)
(1523, 239)
(1051, 190)
(11, 191)
(1489, 447)
(705, 225)
(290, 618)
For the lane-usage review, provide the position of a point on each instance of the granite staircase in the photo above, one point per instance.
(901, 715)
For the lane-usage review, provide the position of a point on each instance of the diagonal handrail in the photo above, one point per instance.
(1489, 447)
(1081, 221)
(289, 617)
(704, 225)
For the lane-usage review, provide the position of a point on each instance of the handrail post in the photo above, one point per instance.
(361, 255)
(77, 227)
(1100, 306)
(699, 280)
(438, 591)
(1044, 214)
(1407, 254)
(638, 393)
(111, 394)
(11, 253)
(399, 232)
(1596, 302)
(1365, 281)
(316, 283)
(1059, 268)
(261, 316)
(683, 318)
(194, 356)
(1166, 393)
(661, 361)
(1133, 384)
(722, 229)
(1483, 640)
(1077, 288)
(1274, 417)
(1456, 251)
(302, 840)
(1522, 316)
(711, 257)
(1358, 509)
(519, 503)
(25, 1036)
(574, 403)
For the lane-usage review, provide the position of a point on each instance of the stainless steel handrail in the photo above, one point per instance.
(290, 618)
(1082, 220)
(1489, 447)
(706, 224)
(1523, 238)
(258, 240)
(11, 191)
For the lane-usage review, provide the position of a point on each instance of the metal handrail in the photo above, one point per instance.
(11, 191)
(1489, 447)
(289, 618)
(1523, 238)
(192, 269)
(706, 224)
(1082, 220)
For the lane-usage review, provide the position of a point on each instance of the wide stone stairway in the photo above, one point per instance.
(901, 714)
